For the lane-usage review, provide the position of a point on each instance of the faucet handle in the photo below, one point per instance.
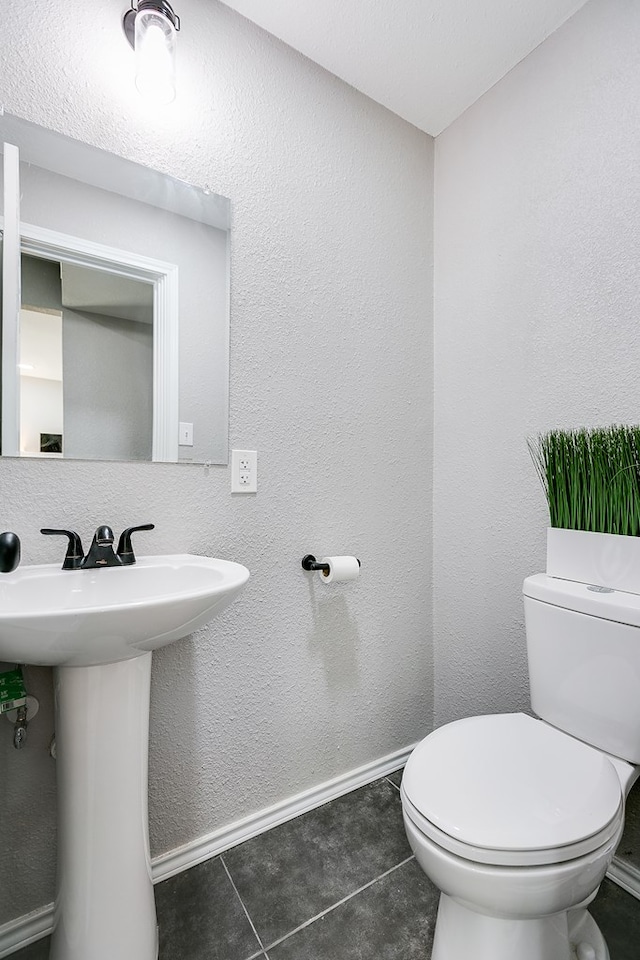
(75, 554)
(125, 550)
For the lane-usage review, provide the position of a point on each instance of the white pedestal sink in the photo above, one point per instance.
(98, 628)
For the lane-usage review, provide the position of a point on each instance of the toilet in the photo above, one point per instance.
(516, 818)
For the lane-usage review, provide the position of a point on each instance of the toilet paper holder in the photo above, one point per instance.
(309, 562)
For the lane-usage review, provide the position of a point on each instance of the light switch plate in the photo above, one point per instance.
(185, 435)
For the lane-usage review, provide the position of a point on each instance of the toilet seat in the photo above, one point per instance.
(511, 790)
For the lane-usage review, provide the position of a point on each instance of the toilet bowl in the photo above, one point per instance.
(516, 823)
(516, 818)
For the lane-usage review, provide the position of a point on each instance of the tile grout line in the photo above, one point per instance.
(258, 955)
(339, 903)
(392, 783)
(262, 949)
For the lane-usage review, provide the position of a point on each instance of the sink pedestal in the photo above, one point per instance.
(97, 627)
(105, 907)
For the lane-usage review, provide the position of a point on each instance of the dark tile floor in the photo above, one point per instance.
(338, 883)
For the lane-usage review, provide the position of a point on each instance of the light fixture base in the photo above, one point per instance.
(159, 6)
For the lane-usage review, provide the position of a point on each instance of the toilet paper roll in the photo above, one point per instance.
(340, 568)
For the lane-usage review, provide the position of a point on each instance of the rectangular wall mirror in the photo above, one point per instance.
(115, 306)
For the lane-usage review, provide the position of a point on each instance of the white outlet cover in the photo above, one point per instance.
(244, 471)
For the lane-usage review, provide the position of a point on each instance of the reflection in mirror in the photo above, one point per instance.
(123, 318)
(76, 323)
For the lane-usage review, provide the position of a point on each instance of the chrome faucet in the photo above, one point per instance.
(101, 552)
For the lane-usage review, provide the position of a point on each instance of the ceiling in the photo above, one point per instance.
(107, 294)
(426, 60)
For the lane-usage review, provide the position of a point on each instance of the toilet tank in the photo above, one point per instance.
(583, 647)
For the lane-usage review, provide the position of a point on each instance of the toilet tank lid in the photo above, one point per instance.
(586, 598)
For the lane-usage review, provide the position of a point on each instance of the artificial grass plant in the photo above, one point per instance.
(591, 478)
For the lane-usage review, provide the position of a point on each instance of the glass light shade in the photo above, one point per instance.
(155, 47)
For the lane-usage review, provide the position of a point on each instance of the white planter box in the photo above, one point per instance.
(604, 559)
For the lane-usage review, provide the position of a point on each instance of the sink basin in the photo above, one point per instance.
(79, 618)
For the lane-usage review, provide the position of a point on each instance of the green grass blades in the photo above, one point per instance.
(591, 478)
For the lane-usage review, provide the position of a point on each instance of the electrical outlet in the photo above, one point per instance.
(244, 471)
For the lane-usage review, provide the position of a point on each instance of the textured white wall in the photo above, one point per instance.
(332, 383)
(537, 231)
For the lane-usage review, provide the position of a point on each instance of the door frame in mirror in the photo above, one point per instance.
(52, 245)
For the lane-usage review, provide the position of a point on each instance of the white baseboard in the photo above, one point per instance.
(168, 864)
(626, 876)
(24, 930)
(27, 929)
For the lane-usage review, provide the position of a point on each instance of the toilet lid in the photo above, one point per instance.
(514, 787)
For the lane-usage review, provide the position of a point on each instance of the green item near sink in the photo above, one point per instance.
(12, 690)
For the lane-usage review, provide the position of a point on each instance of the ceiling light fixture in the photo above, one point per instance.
(151, 27)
